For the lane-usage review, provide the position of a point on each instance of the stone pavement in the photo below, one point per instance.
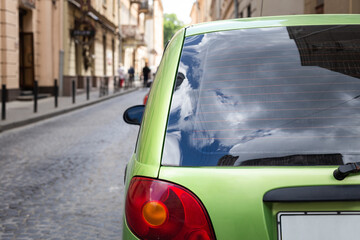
(62, 178)
(20, 113)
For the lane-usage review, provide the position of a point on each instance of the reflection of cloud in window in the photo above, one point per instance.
(172, 154)
(250, 96)
(235, 118)
(282, 144)
(183, 103)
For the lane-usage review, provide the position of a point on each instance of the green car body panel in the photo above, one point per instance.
(146, 160)
(233, 197)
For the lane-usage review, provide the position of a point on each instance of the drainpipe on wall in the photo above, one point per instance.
(119, 27)
(198, 11)
(236, 8)
(219, 11)
(61, 45)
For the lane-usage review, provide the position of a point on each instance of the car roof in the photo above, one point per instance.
(274, 21)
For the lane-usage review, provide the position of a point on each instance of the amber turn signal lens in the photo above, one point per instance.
(154, 213)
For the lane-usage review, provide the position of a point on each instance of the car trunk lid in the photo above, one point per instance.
(246, 202)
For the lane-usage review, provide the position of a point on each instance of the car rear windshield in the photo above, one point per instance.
(281, 96)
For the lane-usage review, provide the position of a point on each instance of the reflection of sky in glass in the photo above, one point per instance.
(248, 93)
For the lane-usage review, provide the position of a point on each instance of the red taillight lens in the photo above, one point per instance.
(160, 210)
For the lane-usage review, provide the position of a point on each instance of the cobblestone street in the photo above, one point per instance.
(63, 178)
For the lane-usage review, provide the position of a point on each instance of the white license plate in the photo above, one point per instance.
(318, 225)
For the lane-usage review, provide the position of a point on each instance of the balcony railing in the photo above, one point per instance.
(131, 32)
(143, 5)
(28, 3)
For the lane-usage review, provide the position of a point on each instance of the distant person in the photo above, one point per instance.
(121, 73)
(131, 73)
(146, 72)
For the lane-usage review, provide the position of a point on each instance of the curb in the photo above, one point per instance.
(59, 112)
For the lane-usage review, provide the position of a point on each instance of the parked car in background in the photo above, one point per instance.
(147, 94)
(146, 98)
(251, 131)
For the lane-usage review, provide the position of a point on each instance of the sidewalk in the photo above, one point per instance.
(20, 113)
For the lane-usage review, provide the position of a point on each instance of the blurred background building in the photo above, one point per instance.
(211, 10)
(71, 40)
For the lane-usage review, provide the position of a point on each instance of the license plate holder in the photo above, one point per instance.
(318, 225)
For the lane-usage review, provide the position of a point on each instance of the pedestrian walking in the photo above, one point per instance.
(121, 73)
(131, 73)
(146, 72)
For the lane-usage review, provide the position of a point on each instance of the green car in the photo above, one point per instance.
(251, 131)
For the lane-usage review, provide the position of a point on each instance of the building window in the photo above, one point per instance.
(319, 9)
(104, 54)
(249, 10)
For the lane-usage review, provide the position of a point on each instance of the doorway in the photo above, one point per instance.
(26, 53)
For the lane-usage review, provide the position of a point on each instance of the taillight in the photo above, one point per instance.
(160, 210)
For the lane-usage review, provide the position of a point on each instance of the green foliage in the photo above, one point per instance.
(171, 25)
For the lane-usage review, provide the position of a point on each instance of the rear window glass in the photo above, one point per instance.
(284, 96)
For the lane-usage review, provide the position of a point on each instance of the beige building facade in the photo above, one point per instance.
(131, 33)
(200, 11)
(228, 9)
(72, 40)
(91, 42)
(142, 34)
(332, 6)
(154, 34)
(30, 40)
